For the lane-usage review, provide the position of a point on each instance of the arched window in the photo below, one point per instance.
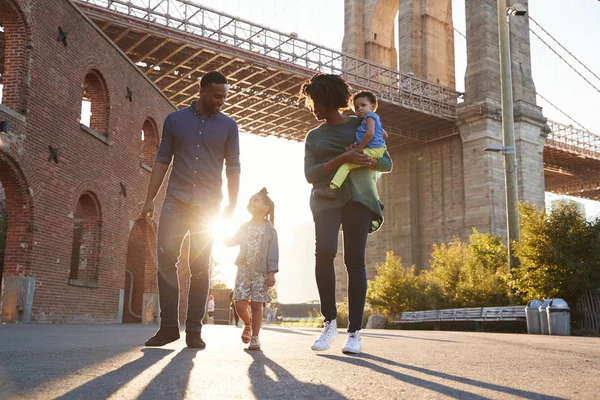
(95, 105)
(13, 56)
(149, 140)
(86, 241)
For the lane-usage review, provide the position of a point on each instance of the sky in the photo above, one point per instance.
(278, 164)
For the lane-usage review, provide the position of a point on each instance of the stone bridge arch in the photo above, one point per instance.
(425, 30)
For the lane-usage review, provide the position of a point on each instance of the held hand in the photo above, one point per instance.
(357, 156)
(148, 210)
(271, 279)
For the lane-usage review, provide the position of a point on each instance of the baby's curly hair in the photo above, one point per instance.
(368, 95)
(328, 90)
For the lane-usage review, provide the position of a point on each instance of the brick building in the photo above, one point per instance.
(74, 186)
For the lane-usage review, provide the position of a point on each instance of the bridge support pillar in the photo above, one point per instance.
(480, 123)
(369, 30)
(425, 31)
(426, 40)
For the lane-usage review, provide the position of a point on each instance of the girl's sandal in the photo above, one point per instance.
(247, 333)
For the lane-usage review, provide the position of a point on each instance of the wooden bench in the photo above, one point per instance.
(476, 314)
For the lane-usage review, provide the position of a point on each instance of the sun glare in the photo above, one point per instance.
(224, 256)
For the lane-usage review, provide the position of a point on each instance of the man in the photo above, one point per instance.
(198, 139)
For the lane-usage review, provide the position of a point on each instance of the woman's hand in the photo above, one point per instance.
(357, 156)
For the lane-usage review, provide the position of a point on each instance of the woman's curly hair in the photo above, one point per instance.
(328, 90)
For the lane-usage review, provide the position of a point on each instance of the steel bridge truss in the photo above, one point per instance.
(176, 41)
(572, 161)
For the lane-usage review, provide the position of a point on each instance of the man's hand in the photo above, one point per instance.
(271, 279)
(228, 211)
(148, 210)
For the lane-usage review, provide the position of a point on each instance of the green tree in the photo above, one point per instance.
(469, 274)
(396, 288)
(558, 254)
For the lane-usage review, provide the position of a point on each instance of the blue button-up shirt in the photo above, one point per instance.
(198, 145)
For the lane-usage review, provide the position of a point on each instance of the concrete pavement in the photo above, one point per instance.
(108, 361)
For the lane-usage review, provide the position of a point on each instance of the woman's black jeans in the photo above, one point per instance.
(356, 222)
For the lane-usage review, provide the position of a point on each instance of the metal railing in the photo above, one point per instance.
(573, 139)
(241, 35)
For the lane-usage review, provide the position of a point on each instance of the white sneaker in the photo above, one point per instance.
(352, 344)
(328, 334)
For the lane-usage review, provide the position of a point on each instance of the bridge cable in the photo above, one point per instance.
(564, 48)
(459, 32)
(565, 61)
(561, 111)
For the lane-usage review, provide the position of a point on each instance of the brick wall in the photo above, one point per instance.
(43, 196)
(16, 52)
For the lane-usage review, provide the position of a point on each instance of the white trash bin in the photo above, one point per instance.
(544, 317)
(559, 318)
(532, 315)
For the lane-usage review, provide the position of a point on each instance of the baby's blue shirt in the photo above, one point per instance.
(377, 140)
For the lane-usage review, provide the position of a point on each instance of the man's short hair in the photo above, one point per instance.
(369, 95)
(213, 77)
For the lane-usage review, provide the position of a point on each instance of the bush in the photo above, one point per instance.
(558, 254)
(396, 289)
(461, 275)
(469, 275)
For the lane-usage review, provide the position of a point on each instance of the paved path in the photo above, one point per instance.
(107, 361)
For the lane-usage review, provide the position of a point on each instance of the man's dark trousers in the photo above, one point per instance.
(176, 220)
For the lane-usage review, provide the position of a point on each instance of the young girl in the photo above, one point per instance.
(258, 262)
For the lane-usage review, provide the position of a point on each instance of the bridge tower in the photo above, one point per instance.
(447, 187)
(480, 122)
(425, 32)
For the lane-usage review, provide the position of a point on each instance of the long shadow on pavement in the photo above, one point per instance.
(172, 381)
(386, 336)
(286, 385)
(443, 389)
(504, 389)
(446, 390)
(34, 355)
(105, 385)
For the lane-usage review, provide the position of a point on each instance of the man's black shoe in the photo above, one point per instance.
(164, 336)
(194, 340)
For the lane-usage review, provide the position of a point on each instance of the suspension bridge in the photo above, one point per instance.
(174, 42)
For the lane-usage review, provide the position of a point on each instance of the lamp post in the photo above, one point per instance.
(508, 131)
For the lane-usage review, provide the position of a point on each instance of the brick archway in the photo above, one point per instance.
(141, 265)
(86, 239)
(16, 263)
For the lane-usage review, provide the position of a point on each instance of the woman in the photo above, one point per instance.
(355, 208)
